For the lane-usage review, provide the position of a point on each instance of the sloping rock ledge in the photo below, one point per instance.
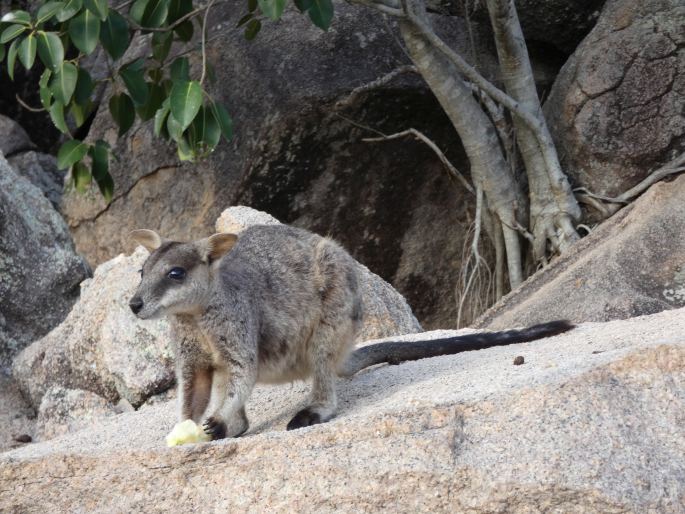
(593, 421)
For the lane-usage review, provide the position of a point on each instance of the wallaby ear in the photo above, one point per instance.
(219, 245)
(148, 238)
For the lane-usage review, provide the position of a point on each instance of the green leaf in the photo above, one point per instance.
(99, 153)
(45, 93)
(160, 117)
(137, 10)
(2, 52)
(12, 58)
(21, 17)
(106, 185)
(80, 112)
(98, 7)
(155, 13)
(204, 131)
(11, 32)
(57, 117)
(85, 31)
(185, 101)
(70, 9)
(178, 9)
(224, 120)
(321, 13)
(122, 111)
(303, 5)
(84, 86)
(251, 5)
(272, 8)
(174, 128)
(184, 31)
(252, 29)
(47, 11)
(242, 21)
(155, 74)
(157, 96)
(115, 35)
(50, 49)
(27, 51)
(180, 69)
(63, 83)
(71, 152)
(81, 176)
(133, 75)
(185, 152)
(161, 44)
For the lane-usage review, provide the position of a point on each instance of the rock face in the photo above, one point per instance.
(13, 138)
(39, 268)
(632, 264)
(101, 347)
(386, 313)
(616, 109)
(592, 422)
(41, 170)
(68, 410)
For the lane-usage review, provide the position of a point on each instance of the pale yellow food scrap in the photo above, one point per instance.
(186, 432)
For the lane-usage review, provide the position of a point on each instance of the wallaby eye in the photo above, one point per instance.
(177, 274)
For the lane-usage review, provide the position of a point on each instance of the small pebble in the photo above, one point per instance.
(518, 361)
(23, 438)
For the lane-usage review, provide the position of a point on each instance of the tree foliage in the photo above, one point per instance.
(157, 88)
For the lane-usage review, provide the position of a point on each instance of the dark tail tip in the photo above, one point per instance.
(551, 328)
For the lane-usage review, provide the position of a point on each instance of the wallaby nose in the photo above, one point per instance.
(136, 304)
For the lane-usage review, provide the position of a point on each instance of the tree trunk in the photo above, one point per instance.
(489, 169)
(552, 204)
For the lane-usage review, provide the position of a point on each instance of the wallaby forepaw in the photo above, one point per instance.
(215, 428)
(305, 418)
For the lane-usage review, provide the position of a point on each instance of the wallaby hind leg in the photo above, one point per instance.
(329, 344)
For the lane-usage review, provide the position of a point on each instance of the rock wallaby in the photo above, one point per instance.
(274, 304)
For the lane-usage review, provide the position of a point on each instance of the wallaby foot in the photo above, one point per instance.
(307, 417)
(217, 428)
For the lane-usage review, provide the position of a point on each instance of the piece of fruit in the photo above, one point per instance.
(186, 432)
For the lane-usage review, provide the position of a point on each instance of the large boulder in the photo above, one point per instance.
(13, 138)
(39, 268)
(591, 422)
(386, 313)
(101, 346)
(41, 170)
(632, 264)
(616, 109)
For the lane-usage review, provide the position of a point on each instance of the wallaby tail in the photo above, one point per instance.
(394, 352)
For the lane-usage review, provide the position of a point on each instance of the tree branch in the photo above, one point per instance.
(453, 171)
(375, 84)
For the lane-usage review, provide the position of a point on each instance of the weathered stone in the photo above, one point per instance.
(13, 138)
(594, 422)
(615, 110)
(632, 264)
(68, 410)
(39, 269)
(17, 417)
(41, 170)
(386, 313)
(101, 347)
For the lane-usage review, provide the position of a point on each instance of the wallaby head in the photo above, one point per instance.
(176, 277)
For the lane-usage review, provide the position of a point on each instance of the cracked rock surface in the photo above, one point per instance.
(594, 421)
(617, 109)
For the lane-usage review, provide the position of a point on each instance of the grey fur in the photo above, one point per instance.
(281, 304)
